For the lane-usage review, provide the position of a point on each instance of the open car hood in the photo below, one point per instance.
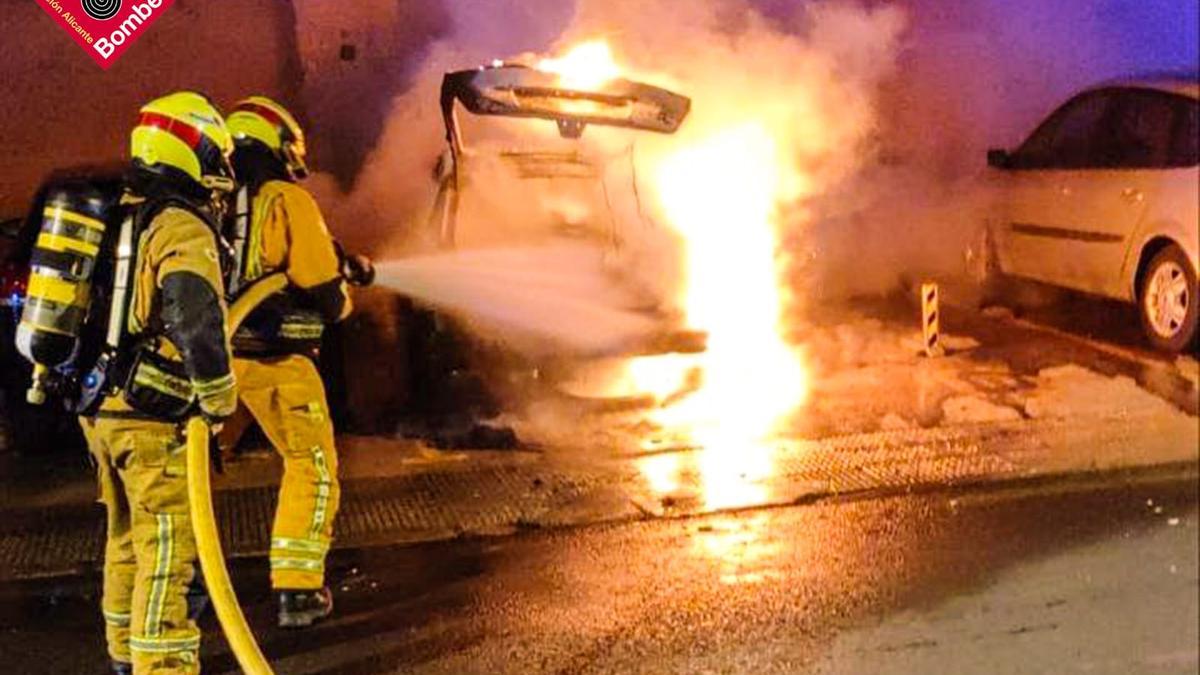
(519, 91)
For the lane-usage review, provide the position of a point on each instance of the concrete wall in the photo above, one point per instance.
(357, 56)
(60, 109)
(337, 64)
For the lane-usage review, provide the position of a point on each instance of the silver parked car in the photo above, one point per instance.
(1104, 198)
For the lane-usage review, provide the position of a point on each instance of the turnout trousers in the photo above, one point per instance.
(287, 399)
(150, 551)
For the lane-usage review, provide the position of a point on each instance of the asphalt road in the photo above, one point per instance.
(1096, 575)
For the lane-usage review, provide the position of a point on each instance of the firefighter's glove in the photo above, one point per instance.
(218, 399)
(358, 270)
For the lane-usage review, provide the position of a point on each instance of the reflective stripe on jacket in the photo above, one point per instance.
(288, 234)
(178, 294)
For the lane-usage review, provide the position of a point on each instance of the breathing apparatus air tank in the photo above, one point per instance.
(62, 265)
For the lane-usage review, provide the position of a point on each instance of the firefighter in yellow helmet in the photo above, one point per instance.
(276, 226)
(167, 355)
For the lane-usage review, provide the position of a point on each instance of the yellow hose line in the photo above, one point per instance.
(204, 522)
(212, 561)
(252, 298)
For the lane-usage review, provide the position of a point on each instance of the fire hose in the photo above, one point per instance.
(208, 542)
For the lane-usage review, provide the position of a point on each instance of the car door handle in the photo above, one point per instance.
(1133, 195)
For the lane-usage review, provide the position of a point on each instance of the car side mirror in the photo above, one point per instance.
(998, 158)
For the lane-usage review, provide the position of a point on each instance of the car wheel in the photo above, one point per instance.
(1167, 301)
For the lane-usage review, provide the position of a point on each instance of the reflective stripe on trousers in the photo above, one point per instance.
(320, 514)
(285, 396)
(149, 553)
(152, 627)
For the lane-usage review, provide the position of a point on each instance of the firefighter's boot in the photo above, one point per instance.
(300, 609)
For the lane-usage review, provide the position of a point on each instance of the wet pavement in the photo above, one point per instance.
(1033, 492)
(498, 494)
(1095, 575)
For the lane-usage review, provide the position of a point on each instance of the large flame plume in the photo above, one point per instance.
(720, 188)
(776, 120)
(587, 66)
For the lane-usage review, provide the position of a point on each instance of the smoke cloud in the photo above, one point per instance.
(891, 106)
(391, 197)
(976, 74)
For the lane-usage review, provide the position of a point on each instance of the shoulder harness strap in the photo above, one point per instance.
(128, 242)
(242, 216)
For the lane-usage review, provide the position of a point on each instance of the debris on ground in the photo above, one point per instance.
(894, 422)
(959, 343)
(463, 435)
(1074, 392)
(974, 410)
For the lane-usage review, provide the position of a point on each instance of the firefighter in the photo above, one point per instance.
(167, 327)
(276, 226)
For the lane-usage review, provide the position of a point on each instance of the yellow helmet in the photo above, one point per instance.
(184, 134)
(258, 118)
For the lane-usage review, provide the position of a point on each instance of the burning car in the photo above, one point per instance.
(536, 158)
(559, 171)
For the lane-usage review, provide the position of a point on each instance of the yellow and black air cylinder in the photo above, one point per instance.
(60, 281)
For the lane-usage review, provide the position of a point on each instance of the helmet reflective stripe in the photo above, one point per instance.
(184, 131)
(193, 137)
(261, 119)
(270, 116)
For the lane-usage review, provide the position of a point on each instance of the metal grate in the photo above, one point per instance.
(488, 499)
(415, 507)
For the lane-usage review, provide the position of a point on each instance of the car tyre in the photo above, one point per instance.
(1167, 301)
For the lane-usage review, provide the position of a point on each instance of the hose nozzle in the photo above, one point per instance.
(358, 270)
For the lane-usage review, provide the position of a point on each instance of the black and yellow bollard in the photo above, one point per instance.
(931, 321)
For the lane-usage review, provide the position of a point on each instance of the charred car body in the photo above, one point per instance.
(519, 170)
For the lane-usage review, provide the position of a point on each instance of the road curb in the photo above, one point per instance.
(500, 498)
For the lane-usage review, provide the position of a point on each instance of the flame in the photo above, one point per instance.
(720, 193)
(720, 184)
(589, 65)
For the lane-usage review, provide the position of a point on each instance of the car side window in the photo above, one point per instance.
(1070, 138)
(1185, 145)
(1140, 136)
